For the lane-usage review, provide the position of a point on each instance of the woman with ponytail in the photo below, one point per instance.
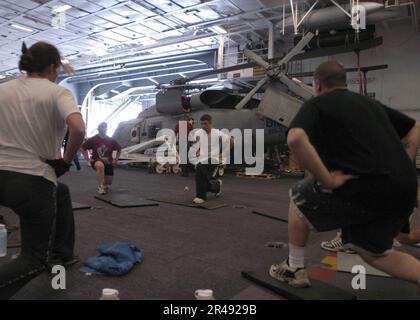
(34, 116)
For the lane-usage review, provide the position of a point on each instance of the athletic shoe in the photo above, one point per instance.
(198, 201)
(336, 245)
(397, 244)
(101, 190)
(220, 188)
(294, 277)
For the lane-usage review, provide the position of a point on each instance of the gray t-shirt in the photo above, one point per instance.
(33, 115)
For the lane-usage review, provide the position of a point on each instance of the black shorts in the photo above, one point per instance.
(109, 169)
(323, 210)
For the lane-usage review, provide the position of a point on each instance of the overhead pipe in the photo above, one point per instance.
(94, 75)
(334, 16)
(205, 24)
(270, 40)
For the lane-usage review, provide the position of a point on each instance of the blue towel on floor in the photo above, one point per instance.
(116, 259)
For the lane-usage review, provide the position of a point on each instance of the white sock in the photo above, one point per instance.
(296, 256)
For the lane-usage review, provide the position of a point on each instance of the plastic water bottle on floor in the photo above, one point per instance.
(3, 241)
(204, 294)
(110, 294)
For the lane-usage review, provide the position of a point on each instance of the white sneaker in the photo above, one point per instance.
(220, 190)
(336, 245)
(101, 190)
(297, 278)
(198, 201)
(397, 244)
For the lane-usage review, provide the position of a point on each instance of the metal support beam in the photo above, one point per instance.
(270, 40)
(221, 53)
(294, 16)
(341, 8)
(153, 81)
(307, 13)
(284, 18)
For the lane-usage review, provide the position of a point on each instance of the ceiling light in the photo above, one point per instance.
(17, 26)
(218, 30)
(148, 42)
(62, 8)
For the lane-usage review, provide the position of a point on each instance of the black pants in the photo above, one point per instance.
(326, 210)
(204, 180)
(46, 226)
(76, 162)
(185, 168)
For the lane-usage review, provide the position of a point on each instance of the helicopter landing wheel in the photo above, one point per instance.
(160, 169)
(176, 169)
(221, 171)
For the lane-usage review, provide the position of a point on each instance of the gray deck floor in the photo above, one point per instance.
(185, 248)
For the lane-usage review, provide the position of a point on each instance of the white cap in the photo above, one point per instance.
(2, 227)
(110, 293)
(204, 294)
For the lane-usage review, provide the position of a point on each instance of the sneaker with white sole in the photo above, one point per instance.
(397, 244)
(198, 201)
(336, 245)
(294, 277)
(220, 188)
(101, 190)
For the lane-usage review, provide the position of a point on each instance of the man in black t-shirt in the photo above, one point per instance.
(361, 178)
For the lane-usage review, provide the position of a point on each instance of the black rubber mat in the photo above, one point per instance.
(269, 215)
(254, 292)
(318, 291)
(379, 288)
(79, 206)
(212, 204)
(125, 200)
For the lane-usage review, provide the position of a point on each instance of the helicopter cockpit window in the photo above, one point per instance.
(153, 130)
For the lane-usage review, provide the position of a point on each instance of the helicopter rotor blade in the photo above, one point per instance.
(297, 49)
(298, 88)
(249, 96)
(253, 56)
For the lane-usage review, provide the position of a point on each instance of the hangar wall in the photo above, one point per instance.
(399, 85)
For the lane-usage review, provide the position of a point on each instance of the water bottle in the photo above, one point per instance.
(3, 241)
(205, 294)
(110, 294)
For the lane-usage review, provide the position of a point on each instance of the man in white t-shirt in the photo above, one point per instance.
(208, 152)
(34, 116)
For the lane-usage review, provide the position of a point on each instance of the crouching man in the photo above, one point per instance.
(102, 160)
(362, 179)
(207, 146)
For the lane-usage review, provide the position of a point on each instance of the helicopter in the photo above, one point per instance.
(283, 95)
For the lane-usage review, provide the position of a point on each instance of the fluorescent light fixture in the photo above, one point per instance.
(17, 26)
(98, 51)
(62, 8)
(218, 30)
(149, 42)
